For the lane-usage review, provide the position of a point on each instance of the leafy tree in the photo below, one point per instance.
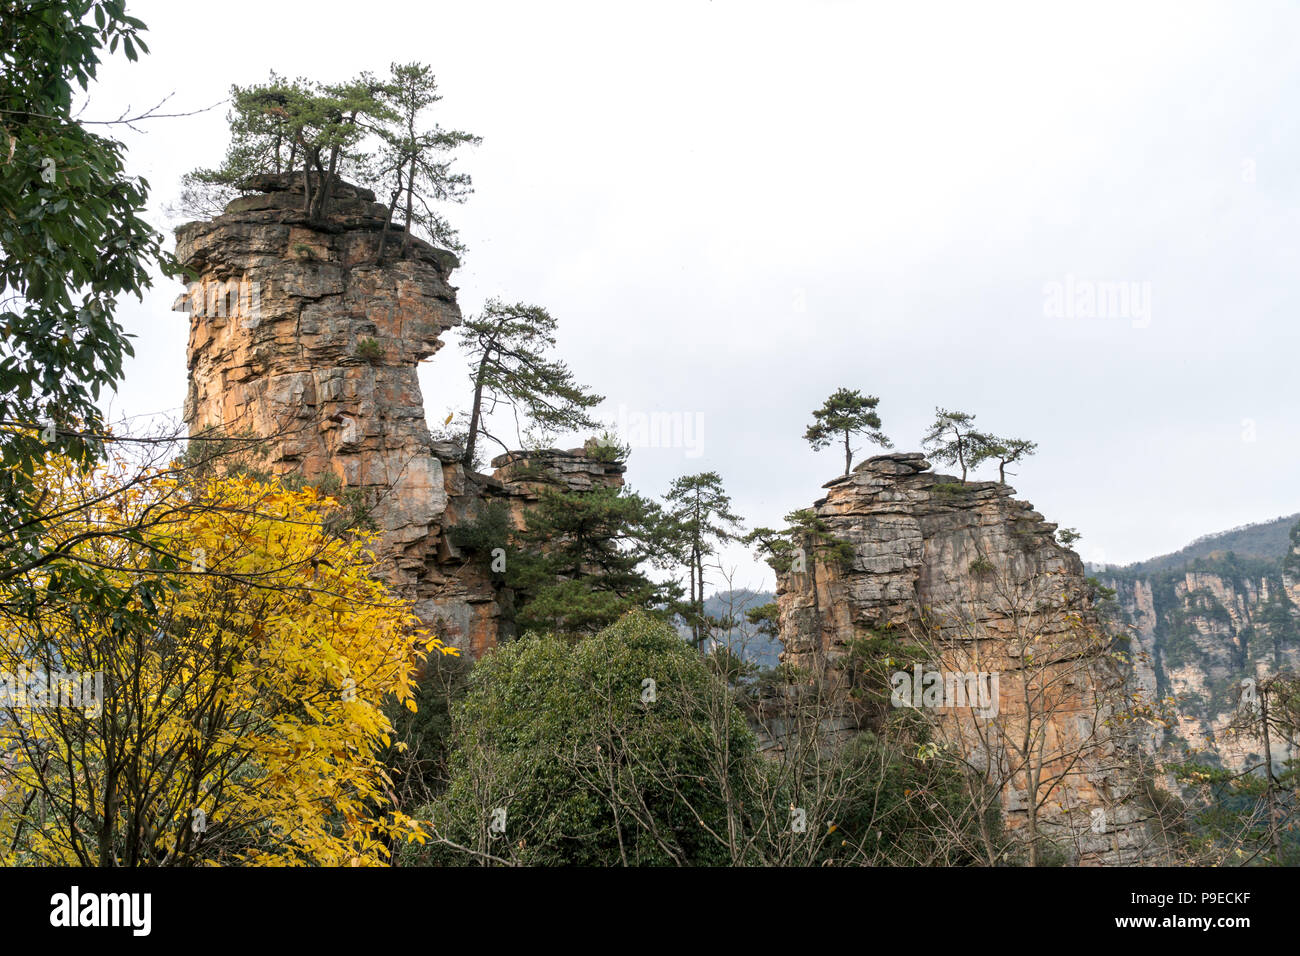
(417, 759)
(952, 440)
(507, 346)
(847, 412)
(245, 660)
(409, 159)
(578, 565)
(298, 126)
(730, 665)
(366, 129)
(701, 515)
(490, 528)
(627, 748)
(264, 139)
(765, 619)
(584, 762)
(73, 243)
(787, 550)
(1247, 816)
(1005, 451)
(878, 818)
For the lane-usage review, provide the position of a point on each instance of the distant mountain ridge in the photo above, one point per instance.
(1265, 540)
(1223, 610)
(758, 649)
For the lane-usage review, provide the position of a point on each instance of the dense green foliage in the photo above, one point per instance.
(584, 761)
(73, 244)
(559, 735)
(580, 563)
(418, 758)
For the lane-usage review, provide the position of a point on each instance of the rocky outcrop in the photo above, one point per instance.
(300, 337)
(977, 577)
(1203, 629)
(525, 474)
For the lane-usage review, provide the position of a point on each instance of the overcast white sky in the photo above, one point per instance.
(735, 208)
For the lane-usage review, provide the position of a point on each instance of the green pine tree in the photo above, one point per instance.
(846, 413)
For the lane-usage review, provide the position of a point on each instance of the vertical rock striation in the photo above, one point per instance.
(1205, 627)
(298, 336)
(978, 575)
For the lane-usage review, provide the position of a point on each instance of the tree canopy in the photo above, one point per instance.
(367, 129)
(74, 243)
(414, 161)
(507, 346)
(1005, 451)
(243, 667)
(846, 413)
(699, 510)
(598, 753)
(629, 748)
(579, 564)
(952, 439)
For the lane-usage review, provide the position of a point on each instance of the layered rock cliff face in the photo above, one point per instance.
(977, 576)
(1202, 630)
(298, 336)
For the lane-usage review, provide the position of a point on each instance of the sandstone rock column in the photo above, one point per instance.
(980, 577)
(299, 337)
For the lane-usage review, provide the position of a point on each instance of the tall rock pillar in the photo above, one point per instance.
(979, 578)
(298, 337)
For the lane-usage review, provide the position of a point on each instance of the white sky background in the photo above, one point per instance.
(735, 208)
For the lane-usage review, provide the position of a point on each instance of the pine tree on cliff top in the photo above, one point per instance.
(578, 565)
(847, 412)
(1005, 451)
(367, 129)
(952, 439)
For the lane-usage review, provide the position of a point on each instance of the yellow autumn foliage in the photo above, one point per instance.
(246, 656)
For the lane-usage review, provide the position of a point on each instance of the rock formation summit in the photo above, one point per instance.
(979, 578)
(301, 337)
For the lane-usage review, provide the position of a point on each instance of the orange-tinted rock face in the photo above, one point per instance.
(978, 577)
(299, 337)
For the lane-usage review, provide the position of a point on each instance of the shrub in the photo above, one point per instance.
(590, 767)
